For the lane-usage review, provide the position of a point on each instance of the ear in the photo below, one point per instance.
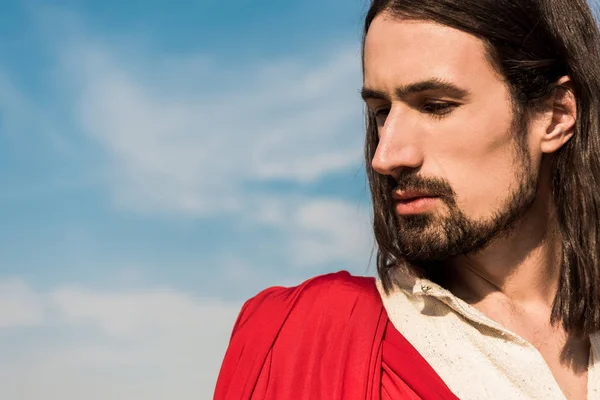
(564, 114)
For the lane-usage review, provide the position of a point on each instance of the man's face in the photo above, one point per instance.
(447, 138)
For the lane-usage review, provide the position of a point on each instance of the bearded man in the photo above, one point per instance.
(483, 158)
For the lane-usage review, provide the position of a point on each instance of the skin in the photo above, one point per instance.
(467, 138)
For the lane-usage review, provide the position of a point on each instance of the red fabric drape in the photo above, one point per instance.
(328, 338)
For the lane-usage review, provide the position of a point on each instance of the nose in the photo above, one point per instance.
(398, 147)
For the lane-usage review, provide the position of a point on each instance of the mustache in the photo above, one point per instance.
(433, 186)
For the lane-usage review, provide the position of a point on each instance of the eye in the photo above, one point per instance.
(438, 108)
(382, 112)
(381, 115)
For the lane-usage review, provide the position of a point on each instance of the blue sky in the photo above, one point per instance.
(161, 162)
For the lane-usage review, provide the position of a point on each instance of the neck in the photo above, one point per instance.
(523, 267)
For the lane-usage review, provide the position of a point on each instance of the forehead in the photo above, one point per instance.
(402, 51)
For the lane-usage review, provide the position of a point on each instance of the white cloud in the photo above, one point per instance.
(144, 312)
(331, 230)
(19, 305)
(152, 344)
(321, 231)
(199, 152)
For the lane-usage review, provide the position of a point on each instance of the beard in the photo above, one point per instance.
(427, 238)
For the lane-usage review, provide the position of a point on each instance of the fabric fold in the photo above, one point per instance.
(323, 339)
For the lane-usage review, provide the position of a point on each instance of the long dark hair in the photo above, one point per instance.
(532, 43)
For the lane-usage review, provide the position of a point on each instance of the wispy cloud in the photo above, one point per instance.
(320, 231)
(211, 147)
(169, 150)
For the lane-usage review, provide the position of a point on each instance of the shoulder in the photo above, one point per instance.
(298, 331)
(334, 293)
(341, 285)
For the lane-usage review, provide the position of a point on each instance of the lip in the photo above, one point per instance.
(410, 203)
(410, 195)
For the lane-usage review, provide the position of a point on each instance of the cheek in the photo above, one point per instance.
(478, 157)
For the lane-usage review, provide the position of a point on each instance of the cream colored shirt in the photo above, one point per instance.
(475, 356)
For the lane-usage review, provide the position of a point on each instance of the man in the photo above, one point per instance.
(483, 154)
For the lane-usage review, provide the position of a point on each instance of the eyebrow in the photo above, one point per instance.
(417, 87)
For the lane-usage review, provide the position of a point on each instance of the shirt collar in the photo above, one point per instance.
(427, 289)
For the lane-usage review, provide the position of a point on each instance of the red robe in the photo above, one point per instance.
(329, 338)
